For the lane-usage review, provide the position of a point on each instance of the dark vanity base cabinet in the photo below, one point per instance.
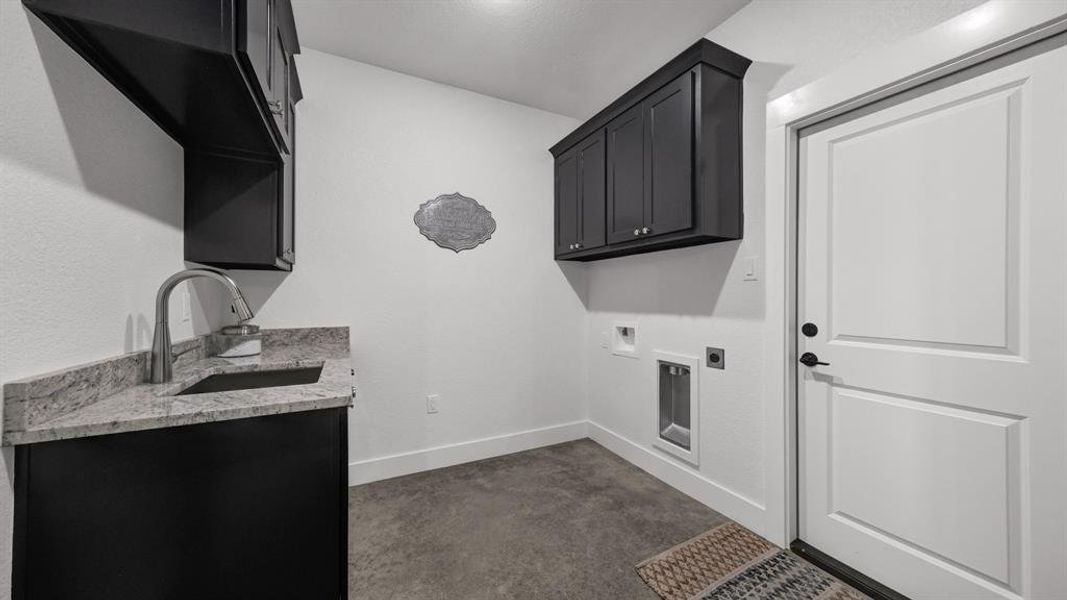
(249, 508)
(672, 172)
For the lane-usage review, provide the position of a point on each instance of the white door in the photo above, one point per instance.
(933, 260)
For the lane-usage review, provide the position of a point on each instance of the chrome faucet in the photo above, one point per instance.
(162, 359)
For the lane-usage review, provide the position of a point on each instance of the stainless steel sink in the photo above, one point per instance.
(224, 382)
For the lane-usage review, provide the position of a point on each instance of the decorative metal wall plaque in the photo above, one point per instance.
(455, 221)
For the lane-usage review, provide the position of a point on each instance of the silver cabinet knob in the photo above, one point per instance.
(645, 230)
(637, 232)
(578, 246)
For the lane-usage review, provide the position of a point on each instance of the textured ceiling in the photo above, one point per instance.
(570, 57)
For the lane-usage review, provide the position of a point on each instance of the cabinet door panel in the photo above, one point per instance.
(286, 222)
(278, 101)
(566, 201)
(254, 35)
(626, 175)
(669, 157)
(591, 180)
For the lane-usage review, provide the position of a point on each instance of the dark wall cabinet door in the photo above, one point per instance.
(626, 175)
(580, 197)
(669, 158)
(255, 25)
(567, 202)
(592, 161)
(278, 104)
(261, 34)
(650, 165)
(287, 220)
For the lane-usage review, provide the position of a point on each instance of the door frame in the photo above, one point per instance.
(981, 34)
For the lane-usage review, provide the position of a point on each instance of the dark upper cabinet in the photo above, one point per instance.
(218, 77)
(580, 196)
(672, 160)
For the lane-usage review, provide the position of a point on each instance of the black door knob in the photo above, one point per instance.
(809, 329)
(809, 359)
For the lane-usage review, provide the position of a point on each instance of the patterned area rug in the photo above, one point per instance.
(732, 563)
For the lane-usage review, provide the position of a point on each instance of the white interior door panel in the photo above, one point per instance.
(933, 446)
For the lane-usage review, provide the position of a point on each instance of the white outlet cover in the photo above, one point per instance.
(431, 403)
(187, 309)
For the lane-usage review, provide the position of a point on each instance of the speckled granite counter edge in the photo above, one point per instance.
(59, 432)
(48, 407)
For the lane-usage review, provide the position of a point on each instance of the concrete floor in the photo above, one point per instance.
(566, 521)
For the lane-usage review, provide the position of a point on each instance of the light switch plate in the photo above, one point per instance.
(751, 268)
(431, 403)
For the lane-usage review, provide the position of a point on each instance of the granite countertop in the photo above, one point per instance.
(110, 396)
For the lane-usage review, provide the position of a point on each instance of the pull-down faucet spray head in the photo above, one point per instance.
(162, 369)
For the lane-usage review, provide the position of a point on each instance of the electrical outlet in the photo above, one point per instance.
(431, 403)
(716, 357)
(187, 308)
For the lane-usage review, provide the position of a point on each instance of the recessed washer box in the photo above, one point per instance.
(677, 405)
(624, 339)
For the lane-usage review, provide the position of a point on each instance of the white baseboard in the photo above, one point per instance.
(396, 465)
(689, 482)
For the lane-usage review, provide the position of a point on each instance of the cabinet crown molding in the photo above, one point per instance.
(704, 51)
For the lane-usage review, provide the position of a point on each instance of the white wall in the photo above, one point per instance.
(90, 218)
(684, 300)
(497, 331)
